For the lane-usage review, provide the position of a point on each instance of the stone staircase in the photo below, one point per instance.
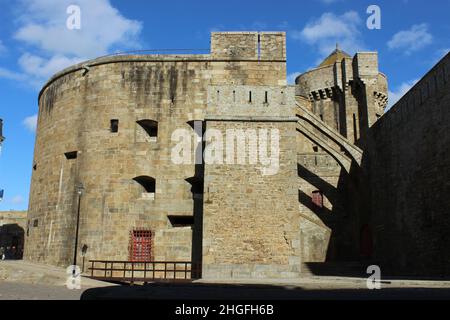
(327, 138)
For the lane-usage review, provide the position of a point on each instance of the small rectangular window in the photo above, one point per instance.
(35, 223)
(250, 97)
(317, 198)
(71, 155)
(114, 125)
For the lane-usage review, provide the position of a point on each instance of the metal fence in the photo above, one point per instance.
(144, 271)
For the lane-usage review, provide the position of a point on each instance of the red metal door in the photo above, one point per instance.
(141, 245)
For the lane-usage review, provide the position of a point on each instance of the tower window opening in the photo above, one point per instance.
(35, 223)
(71, 155)
(250, 97)
(114, 125)
(266, 97)
(35, 167)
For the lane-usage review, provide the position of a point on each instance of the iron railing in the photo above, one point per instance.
(144, 271)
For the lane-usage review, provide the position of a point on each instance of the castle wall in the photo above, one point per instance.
(251, 222)
(349, 95)
(408, 166)
(75, 110)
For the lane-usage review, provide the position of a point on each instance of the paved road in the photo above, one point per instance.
(203, 291)
(26, 291)
(22, 291)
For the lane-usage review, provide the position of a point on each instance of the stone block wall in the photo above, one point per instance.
(76, 108)
(408, 163)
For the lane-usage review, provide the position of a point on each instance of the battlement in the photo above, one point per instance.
(251, 101)
(430, 86)
(249, 45)
(365, 64)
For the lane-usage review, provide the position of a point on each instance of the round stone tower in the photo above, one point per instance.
(103, 153)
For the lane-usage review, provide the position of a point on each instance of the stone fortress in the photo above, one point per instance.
(352, 184)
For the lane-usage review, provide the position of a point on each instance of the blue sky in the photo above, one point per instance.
(35, 43)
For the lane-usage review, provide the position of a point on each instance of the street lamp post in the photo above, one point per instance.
(80, 190)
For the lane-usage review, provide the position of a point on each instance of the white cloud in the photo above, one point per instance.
(44, 68)
(17, 200)
(30, 123)
(7, 74)
(102, 26)
(416, 38)
(51, 46)
(395, 96)
(291, 77)
(329, 29)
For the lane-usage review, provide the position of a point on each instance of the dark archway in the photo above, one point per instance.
(150, 126)
(148, 183)
(12, 241)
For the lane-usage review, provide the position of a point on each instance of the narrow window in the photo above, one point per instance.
(250, 97)
(317, 198)
(141, 245)
(266, 97)
(259, 47)
(283, 98)
(114, 125)
(35, 167)
(35, 223)
(71, 155)
(234, 95)
(355, 128)
(181, 221)
(321, 117)
(150, 126)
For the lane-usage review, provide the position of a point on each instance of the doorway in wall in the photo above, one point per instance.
(141, 244)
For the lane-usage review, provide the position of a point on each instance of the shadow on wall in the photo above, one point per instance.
(350, 245)
(11, 241)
